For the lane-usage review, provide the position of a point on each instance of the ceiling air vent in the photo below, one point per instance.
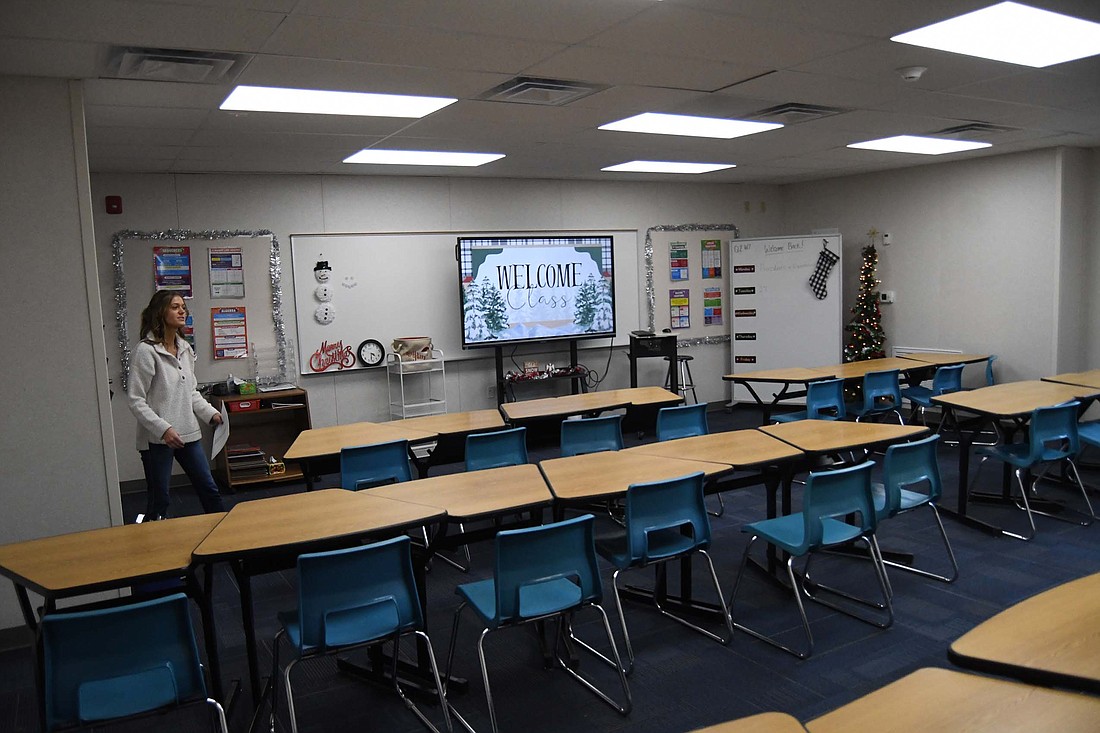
(972, 130)
(792, 113)
(546, 92)
(167, 64)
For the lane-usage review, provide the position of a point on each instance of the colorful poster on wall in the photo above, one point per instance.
(189, 329)
(712, 306)
(712, 258)
(172, 269)
(679, 305)
(678, 261)
(230, 333)
(226, 272)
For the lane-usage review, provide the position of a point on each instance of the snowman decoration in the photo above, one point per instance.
(325, 313)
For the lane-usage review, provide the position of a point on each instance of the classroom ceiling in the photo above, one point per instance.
(718, 58)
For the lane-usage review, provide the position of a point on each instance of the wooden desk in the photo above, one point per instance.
(608, 474)
(647, 396)
(944, 700)
(945, 359)
(832, 436)
(1090, 378)
(785, 377)
(475, 494)
(1049, 639)
(564, 406)
(1012, 401)
(321, 445)
(264, 535)
(451, 429)
(76, 564)
(762, 723)
(858, 369)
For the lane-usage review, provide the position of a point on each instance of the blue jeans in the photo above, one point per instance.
(158, 475)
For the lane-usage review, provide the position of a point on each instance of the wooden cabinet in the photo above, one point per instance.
(257, 435)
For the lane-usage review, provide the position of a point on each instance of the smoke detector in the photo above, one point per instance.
(911, 73)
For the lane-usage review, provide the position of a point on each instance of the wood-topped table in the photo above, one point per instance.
(264, 535)
(609, 474)
(859, 369)
(940, 359)
(68, 565)
(934, 699)
(762, 723)
(1049, 639)
(832, 436)
(785, 377)
(451, 429)
(1090, 378)
(319, 446)
(590, 402)
(1010, 401)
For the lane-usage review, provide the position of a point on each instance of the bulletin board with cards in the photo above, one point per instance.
(690, 280)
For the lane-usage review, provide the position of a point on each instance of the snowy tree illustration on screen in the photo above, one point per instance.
(473, 319)
(493, 308)
(585, 312)
(604, 318)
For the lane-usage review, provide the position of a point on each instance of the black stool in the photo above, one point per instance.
(685, 380)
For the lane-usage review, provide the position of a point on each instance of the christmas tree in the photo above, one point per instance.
(866, 338)
(585, 311)
(604, 318)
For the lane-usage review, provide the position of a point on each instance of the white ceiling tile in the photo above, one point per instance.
(641, 67)
(426, 47)
(134, 93)
(138, 135)
(820, 89)
(42, 57)
(119, 116)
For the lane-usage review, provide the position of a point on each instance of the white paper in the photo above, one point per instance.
(221, 434)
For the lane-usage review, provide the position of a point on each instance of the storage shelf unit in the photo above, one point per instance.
(417, 387)
(269, 430)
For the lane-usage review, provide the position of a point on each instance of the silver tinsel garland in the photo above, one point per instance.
(650, 289)
(275, 269)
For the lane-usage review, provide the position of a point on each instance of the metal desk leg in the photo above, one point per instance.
(248, 620)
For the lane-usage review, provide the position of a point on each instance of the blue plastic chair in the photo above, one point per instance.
(541, 573)
(121, 661)
(881, 394)
(830, 496)
(989, 381)
(1052, 439)
(378, 464)
(353, 598)
(496, 449)
(946, 380)
(906, 467)
(824, 401)
(591, 435)
(664, 520)
(684, 421)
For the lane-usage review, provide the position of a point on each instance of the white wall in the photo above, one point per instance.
(1090, 300)
(307, 204)
(58, 449)
(975, 259)
(1073, 257)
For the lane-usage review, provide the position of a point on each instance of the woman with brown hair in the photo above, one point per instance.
(168, 407)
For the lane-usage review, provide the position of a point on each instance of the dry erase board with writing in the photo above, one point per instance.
(778, 318)
(353, 287)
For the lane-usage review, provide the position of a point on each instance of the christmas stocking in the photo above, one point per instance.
(825, 262)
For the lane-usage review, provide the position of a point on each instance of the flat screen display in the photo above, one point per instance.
(523, 289)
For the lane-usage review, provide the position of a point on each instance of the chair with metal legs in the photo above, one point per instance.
(881, 395)
(947, 379)
(905, 468)
(829, 498)
(541, 574)
(591, 435)
(824, 401)
(496, 449)
(349, 599)
(1053, 439)
(121, 662)
(686, 421)
(664, 521)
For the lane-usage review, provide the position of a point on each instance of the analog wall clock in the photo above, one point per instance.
(371, 353)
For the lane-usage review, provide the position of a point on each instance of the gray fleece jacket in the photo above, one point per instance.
(163, 394)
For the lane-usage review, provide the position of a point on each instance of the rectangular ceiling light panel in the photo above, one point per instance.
(1018, 34)
(664, 166)
(317, 102)
(664, 124)
(422, 157)
(919, 145)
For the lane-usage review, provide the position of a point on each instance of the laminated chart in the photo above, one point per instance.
(679, 308)
(678, 261)
(712, 306)
(712, 258)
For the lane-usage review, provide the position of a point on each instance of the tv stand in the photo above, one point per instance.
(573, 372)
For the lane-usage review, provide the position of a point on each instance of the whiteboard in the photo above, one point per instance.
(778, 321)
(390, 285)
